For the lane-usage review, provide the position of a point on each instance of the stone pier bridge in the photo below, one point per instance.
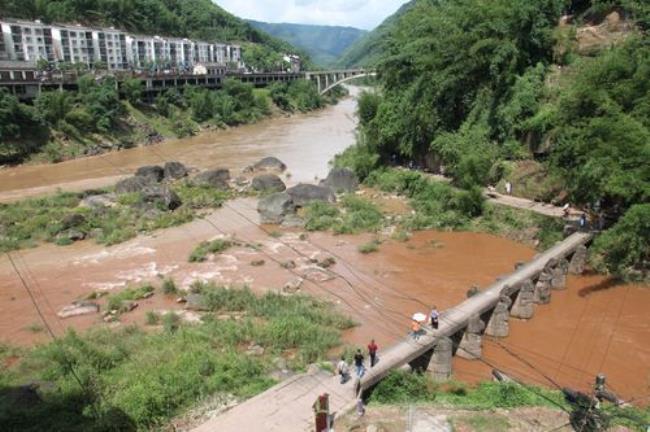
(287, 407)
(461, 327)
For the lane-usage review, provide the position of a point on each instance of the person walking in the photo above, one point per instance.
(358, 363)
(415, 329)
(509, 188)
(434, 316)
(372, 352)
(343, 370)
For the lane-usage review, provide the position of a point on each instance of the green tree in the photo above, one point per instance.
(132, 90)
(624, 250)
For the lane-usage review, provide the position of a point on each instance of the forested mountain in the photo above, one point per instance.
(325, 44)
(514, 90)
(367, 50)
(199, 19)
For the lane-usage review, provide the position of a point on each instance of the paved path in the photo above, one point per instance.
(523, 203)
(287, 407)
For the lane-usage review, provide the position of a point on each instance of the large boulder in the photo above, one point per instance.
(269, 164)
(163, 194)
(341, 180)
(133, 184)
(303, 194)
(217, 178)
(72, 220)
(275, 207)
(268, 183)
(78, 308)
(99, 201)
(175, 170)
(154, 173)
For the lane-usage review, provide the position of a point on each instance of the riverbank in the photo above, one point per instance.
(304, 141)
(67, 125)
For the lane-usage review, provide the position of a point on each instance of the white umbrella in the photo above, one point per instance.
(419, 317)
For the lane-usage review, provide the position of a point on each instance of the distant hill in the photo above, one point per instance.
(367, 50)
(325, 44)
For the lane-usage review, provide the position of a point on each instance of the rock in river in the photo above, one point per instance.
(275, 207)
(163, 194)
(154, 173)
(341, 180)
(132, 184)
(268, 183)
(217, 178)
(78, 308)
(175, 170)
(303, 194)
(268, 164)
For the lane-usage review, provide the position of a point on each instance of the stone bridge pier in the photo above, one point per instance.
(517, 298)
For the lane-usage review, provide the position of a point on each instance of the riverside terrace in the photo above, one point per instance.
(26, 83)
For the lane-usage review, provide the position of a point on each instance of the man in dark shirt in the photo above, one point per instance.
(358, 363)
(372, 352)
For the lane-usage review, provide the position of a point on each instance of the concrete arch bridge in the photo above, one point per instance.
(327, 80)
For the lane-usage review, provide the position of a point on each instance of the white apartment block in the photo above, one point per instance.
(30, 41)
(27, 41)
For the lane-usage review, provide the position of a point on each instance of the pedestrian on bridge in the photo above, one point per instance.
(415, 329)
(358, 363)
(434, 316)
(372, 352)
(343, 370)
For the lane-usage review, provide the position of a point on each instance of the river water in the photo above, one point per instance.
(592, 326)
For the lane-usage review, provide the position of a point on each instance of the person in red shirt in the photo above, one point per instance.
(372, 352)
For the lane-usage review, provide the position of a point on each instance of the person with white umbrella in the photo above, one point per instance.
(416, 325)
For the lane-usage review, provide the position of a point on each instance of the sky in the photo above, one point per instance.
(364, 14)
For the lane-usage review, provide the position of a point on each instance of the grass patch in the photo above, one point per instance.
(370, 247)
(483, 423)
(118, 302)
(441, 206)
(520, 225)
(169, 287)
(32, 221)
(201, 252)
(355, 215)
(138, 380)
(152, 318)
(35, 328)
(407, 387)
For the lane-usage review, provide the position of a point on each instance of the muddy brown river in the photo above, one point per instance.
(593, 326)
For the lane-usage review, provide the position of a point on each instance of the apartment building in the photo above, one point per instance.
(27, 41)
(112, 48)
(30, 41)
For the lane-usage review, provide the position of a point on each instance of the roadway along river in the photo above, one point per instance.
(594, 325)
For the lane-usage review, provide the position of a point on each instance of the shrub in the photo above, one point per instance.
(624, 249)
(200, 253)
(152, 318)
(169, 287)
(116, 301)
(370, 247)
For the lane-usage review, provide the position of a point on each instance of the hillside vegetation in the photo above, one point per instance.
(480, 89)
(324, 44)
